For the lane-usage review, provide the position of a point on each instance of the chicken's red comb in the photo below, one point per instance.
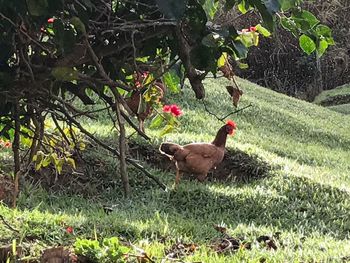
(232, 124)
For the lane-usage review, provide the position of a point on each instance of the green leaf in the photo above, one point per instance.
(240, 49)
(322, 47)
(242, 65)
(46, 161)
(210, 7)
(266, 14)
(37, 7)
(222, 59)
(167, 129)
(262, 30)
(172, 8)
(156, 122)
(172, 81)
(64, 73)
(323, 30)
(243, 7)
(310, 18)
(71, 162)
(290, 25)
(307, 44)
(287, 4)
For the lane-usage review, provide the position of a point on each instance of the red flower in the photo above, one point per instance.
(69, 230)
(175, 110)
(145, 74)
(252, 28)
(167, 108)
(50, 20)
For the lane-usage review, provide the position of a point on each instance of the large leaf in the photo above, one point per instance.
(172, 81)
(37, 7)
(307, 44)
(266, 13)
(290, 25)
(166, 129)
(156, 122)
(310, 18)
(241, 50)
(172, 8)
(304, 19)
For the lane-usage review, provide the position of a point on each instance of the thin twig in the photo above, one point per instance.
(224, 117)
(7, 224)
(109, 148)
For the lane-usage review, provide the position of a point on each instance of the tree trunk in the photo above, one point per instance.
(122, 149)
(16, 157)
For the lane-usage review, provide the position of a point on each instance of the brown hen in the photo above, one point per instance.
(198, 158)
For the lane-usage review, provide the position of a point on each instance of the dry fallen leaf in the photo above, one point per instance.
(235, 94)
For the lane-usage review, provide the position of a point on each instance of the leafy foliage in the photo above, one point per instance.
(56, 51)
(109, 250)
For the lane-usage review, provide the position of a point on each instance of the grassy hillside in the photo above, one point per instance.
(305, 199)
(337, 99)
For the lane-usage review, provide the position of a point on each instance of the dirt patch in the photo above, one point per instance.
(236, 166)
(95, 173)
(336, 100)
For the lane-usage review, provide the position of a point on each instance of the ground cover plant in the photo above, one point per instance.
(297, 213)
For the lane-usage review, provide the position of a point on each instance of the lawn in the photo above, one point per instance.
(337, 99)
(303, 203)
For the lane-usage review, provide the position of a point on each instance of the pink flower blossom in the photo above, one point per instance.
(167, 108)
(252, 29)
(69, 230)
(173, 109)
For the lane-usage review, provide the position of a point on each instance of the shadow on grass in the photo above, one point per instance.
(287, 203)
(297, 205)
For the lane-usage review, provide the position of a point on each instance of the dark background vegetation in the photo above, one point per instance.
(279, 63)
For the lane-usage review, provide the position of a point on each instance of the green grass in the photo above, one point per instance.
(343, 108)
(338, 92)
(306, 196)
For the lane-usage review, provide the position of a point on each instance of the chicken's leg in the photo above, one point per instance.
(201, 177)
(177, 178)
(141, 125)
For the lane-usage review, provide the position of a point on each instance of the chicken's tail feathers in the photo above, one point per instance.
(168, 148)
